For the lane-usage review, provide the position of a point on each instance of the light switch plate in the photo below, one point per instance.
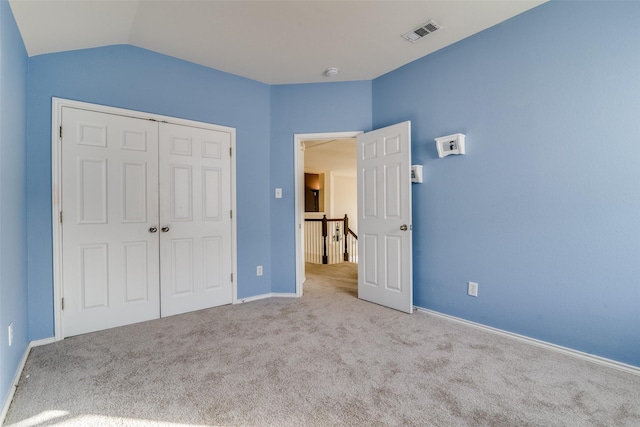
(278, 193)
(472, 289)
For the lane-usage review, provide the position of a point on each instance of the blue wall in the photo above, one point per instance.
(305, 108)
(544, 209)
(134, 78)
(13, 247)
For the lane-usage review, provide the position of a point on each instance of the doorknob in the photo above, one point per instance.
(165, 229)
(153, 229)
(404, 227)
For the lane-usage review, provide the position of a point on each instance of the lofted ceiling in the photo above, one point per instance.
(274, 42)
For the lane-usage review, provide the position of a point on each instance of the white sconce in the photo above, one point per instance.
(450, 144)
(416, 174)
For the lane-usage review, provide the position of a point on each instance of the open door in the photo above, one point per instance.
(385, 267)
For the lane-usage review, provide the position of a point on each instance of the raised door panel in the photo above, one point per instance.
(134, 191)
(392, 192)
(94, 275)
(181, 194)
(369, 260)
(213, 262)
(393, 263)
(135, 269)
(92, 190)
(212, 194)
(182, 266)
(136, 140)
(369, 193)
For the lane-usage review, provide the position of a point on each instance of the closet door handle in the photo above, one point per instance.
(165, 229)
(153, 229)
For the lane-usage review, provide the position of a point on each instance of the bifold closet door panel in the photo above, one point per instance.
(195, 218)
(110, 259)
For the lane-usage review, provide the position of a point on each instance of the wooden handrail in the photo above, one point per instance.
(355, 236)
(322, 219)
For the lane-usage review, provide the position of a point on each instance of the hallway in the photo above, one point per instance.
(342, 276)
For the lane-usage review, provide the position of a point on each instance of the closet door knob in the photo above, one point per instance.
(404, 227)
(165, 229)
(153, 229)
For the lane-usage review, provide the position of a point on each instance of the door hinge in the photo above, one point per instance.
(230, 151)
(60, 217)
(231, 277)
(231, 214)
(60, 131)
(63, 303)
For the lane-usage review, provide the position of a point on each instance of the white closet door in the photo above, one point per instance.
(195, 206)
(110, 205)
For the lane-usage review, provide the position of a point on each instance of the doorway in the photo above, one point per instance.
(385, 265)
(303, 142)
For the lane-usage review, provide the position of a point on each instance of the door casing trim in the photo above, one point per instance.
(56, 183)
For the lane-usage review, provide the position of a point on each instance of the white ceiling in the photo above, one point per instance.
(331, 155)
(275, 42)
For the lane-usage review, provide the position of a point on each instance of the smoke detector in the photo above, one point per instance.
(331, 72)
(421, 31)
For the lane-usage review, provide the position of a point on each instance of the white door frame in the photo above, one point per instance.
(298, 156)
(56, 182)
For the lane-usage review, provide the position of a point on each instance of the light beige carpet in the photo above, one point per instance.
(325, 359)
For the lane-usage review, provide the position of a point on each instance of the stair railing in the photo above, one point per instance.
(330, 240)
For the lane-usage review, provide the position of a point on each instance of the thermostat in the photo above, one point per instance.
(450, 144)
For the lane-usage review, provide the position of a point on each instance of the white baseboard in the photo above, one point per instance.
(45, 341)
(269, 295)
(18, 374)
(284, 295)
(635, 370)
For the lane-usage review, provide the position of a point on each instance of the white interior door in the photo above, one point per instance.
(384, 217)
(110, 205)
(195, 218)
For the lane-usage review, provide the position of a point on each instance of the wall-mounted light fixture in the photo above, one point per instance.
(450, 144)
(416, 174)
(315, 192)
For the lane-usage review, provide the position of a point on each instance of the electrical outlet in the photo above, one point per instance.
(472, 289)
(259, 271)
(10, 334)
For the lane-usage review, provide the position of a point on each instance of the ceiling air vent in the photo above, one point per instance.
(421, 31)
